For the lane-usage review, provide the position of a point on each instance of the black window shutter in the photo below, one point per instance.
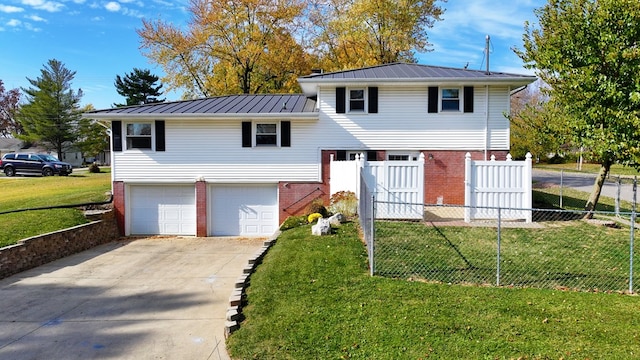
(433, 99)
(468, 99)
(116, 135)
(285, 128)
(246, 134)
(341, 98)
(372, 155)
(160, 135)
(341, 155)
(373, 100)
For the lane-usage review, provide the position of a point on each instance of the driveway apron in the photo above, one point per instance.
(147, 298)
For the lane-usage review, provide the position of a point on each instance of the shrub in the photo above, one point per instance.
(344, 202)
(313, 217)
(94, 168)
(317, 206)
(293, 222)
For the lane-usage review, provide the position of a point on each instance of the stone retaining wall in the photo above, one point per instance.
(39, 250)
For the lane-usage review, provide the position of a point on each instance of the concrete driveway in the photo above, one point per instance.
(149, 298)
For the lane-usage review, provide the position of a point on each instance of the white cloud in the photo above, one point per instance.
(14, 23)
(10, 9)
(97, 18)
(50, 6)
(36, 18)
(113, 6)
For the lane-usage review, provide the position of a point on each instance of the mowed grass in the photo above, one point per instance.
(33, 192)
(562, 255)
(312, 298)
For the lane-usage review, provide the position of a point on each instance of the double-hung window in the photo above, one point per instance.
(450, 99)
(356, 100)
(138, 136)
(266, 134)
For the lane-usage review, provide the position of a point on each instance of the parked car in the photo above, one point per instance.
(34, 164)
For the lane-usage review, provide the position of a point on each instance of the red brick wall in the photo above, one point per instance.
(201, 209)
(444, 174)
(119, 204)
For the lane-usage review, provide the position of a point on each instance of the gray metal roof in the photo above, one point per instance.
(412, 71)
(231, 105)
(405, 74)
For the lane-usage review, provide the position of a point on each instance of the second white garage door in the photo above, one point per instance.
(162, 210)
(250, 210)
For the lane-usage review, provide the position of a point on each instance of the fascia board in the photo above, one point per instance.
(165, 116)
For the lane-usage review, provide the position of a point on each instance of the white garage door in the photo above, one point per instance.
(163, 210)
(250, 210)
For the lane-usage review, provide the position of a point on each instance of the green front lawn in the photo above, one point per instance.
(34, 192)
(312, 298)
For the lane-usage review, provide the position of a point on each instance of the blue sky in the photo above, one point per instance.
(98, 39)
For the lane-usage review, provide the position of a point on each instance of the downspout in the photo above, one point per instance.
(486, 124)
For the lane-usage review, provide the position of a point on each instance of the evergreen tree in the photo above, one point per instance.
(51, 112)
(138, 87)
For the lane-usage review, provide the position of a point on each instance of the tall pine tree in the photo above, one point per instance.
(138, 87)
(51, 112)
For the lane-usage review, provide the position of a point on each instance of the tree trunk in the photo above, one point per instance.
(597, 189)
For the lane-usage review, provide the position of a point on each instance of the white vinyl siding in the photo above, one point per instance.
(402, 122)
(211, 149)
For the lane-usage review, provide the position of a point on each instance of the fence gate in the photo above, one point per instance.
(398, 186)
(490, 185)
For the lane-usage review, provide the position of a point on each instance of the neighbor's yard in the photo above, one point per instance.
(31, 192)
(312, 298)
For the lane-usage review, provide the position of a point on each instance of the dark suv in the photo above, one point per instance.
(33, 164)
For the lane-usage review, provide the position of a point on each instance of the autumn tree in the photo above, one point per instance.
(51, 112)
(588, 53)
(9, 105)
(138, 87)
(229, 47)
(357, 33)
(537, 125)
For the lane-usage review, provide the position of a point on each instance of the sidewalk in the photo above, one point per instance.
(150, 298)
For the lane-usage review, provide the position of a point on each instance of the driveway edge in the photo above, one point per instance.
(237, 300)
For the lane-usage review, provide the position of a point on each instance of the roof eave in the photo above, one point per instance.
(309, 86)
(179, 116)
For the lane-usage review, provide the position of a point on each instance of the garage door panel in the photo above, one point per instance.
(243, 210)
(164, 210)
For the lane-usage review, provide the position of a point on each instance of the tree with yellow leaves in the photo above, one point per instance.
(230, 47)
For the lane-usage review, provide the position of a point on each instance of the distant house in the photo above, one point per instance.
(240, 164)
(9, 145)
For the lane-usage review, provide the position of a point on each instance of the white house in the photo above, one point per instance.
(240, 164)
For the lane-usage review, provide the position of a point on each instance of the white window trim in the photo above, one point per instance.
(365, 99)
(254, 133)
(460, 99)
(126, 137)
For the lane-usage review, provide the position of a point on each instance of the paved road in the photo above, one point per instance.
(152, 298)
(583, 182)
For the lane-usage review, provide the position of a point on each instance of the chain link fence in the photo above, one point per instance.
(559, 249)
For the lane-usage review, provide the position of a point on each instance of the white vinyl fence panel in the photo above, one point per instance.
(492, 185)
(398, 186)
